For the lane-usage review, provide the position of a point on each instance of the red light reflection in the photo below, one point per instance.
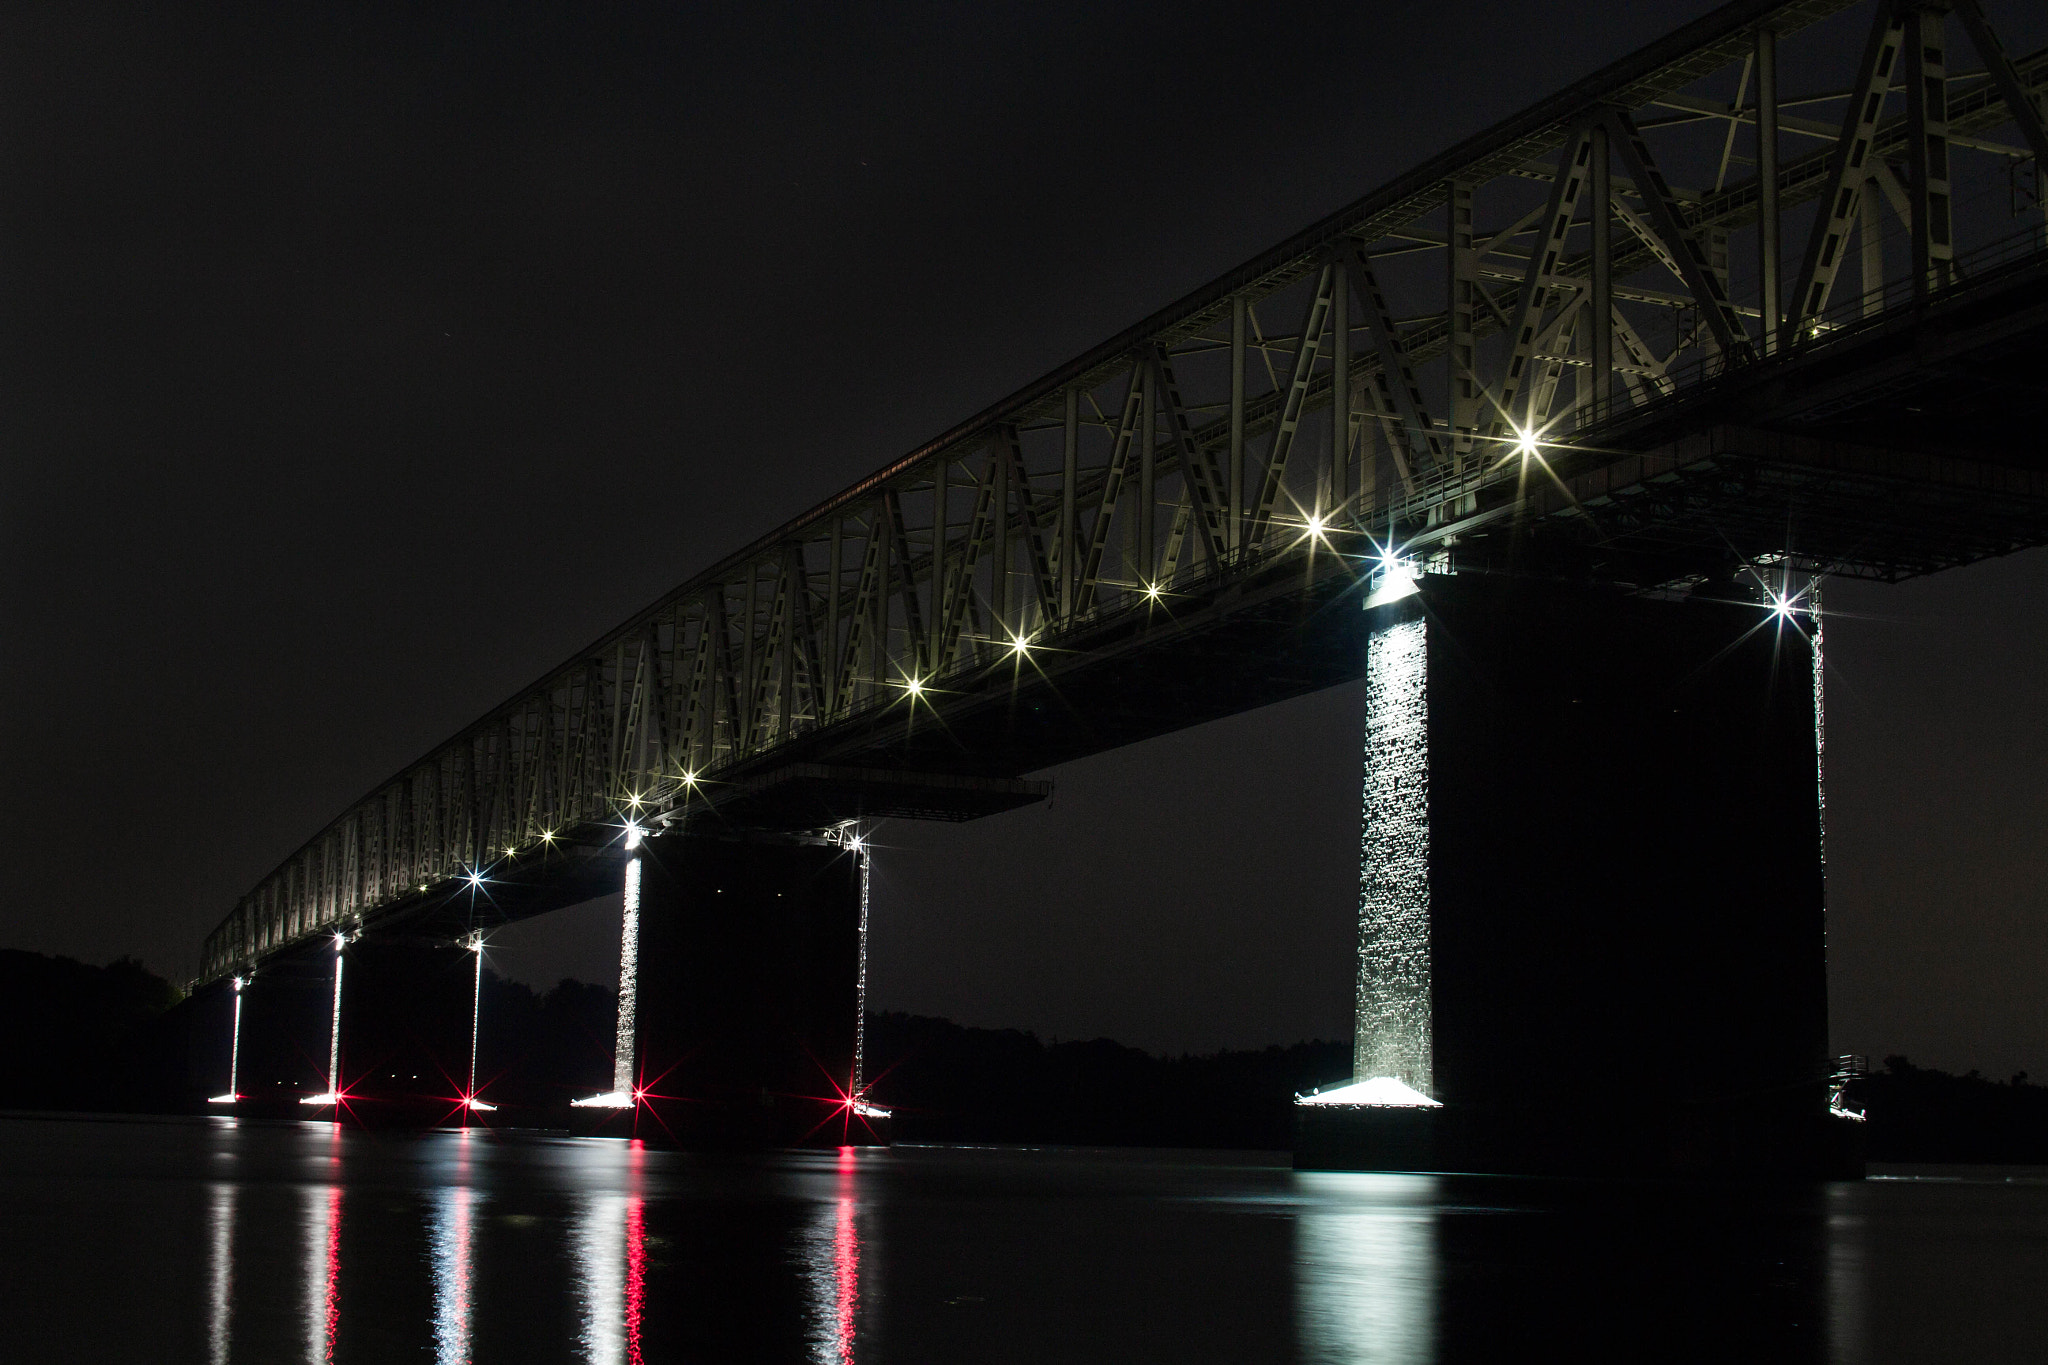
(636, 1249)
(332, 1286)
(846, 1258)
(636, 1275)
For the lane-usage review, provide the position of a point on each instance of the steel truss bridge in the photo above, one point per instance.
(1769, 292)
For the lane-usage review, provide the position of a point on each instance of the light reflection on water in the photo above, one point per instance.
(323, 1270)
(221, 1270)
(1366, 1267)
(831, 1260)
(263, 1243)
(611, 1251)
(453, 1228)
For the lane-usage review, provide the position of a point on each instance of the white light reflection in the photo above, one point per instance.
(449, 1235)
(610, 1243)
(831, 1259)
(1366, 1268)
(323, 1271)
(1846, 1253)
(221, 1281)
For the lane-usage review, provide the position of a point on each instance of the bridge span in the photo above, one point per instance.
(1757, 305)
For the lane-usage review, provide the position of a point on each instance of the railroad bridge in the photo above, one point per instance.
(1555, 438)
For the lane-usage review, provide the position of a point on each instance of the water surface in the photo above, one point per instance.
(214, 1241)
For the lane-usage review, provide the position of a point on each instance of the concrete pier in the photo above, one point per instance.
(1598, 942)
(748, 992)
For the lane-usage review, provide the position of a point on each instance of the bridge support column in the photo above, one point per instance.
(232, 1093)
(287, 1013)
(402, 1045)
(748, 984)
(1591, 910)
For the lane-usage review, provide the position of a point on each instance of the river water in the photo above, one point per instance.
(211, 1241)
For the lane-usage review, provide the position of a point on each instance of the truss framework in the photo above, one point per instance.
(1387, 373)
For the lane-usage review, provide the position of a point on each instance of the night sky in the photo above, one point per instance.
(362, 362)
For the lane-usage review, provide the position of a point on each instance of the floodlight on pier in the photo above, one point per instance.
(1381, 1092)
(611, 1099)
(1393, 577)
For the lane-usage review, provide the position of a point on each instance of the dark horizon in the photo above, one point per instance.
(364, 364)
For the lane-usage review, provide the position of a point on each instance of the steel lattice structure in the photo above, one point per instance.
(1471, 347)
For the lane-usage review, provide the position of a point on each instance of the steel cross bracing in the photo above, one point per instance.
(1547, 299)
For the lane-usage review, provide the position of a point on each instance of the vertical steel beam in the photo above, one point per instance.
(1601, 299)
(1201, 500)
(786, 634)
(915, 647)
(1768, 262)
(941, 493)
(1148, 437)
(1034, 540)
(1340, 382)
(831, 650)
(878, 627)
(1927, 148)
(1236, 490)
(1068, 547)
(1873, 251)
(999, 571)
(1112, 492)
(1463, 369)
(1314, 319)
(1824, 248)
(1396, 376)
(1694, 262)
(1534, 296)
(745, 738)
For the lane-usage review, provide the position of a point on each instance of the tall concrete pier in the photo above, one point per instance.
(1591, 905)
(747, 991)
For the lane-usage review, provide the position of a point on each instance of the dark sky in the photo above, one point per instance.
(360, 362)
